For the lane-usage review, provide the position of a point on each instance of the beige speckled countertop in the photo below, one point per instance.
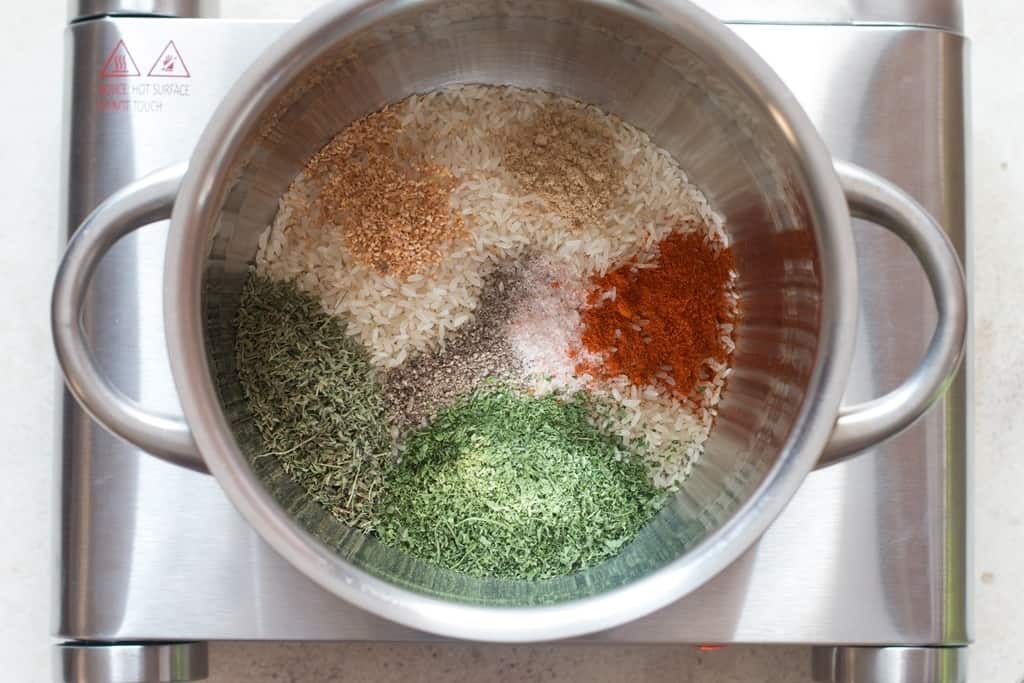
(29, 160)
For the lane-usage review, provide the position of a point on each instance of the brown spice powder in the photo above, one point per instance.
(568, 158)
(392, 205)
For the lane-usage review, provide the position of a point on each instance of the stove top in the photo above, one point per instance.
(872, 552)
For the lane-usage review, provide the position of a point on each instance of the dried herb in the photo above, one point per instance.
(311, 393)
(508, 485)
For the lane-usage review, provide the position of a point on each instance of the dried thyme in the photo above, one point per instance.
(508, 485)
(310, 391)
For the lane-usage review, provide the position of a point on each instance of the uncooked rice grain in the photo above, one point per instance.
(461, 128)
(401, 315)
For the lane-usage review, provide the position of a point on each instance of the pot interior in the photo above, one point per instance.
(678, 91)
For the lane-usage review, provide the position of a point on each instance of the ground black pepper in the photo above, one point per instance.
(416, 390)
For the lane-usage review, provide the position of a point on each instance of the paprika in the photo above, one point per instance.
(658, 323)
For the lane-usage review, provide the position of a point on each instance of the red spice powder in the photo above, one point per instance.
(664, 320)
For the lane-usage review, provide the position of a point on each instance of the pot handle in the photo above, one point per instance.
(142, 202)
(873, 198)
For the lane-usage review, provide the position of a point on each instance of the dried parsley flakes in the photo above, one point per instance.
(508, 485)
(310, 391)
(499, 484)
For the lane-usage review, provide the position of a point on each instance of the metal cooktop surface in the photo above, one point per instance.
(872, 552)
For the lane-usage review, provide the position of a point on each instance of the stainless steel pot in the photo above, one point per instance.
(664, 66)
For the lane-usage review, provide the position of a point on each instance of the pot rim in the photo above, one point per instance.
(200, 198)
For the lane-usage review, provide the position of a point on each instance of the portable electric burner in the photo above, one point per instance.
(869, 562)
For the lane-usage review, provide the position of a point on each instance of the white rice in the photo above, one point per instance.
(465, 128)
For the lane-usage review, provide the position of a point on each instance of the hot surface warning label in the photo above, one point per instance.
(123, 88)
(119, 63)
(169, 64)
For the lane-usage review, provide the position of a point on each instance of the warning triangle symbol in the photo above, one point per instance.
(169, 64)
(119, 63)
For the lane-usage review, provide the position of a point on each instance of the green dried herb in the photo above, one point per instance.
(508, 485)
(311, 392)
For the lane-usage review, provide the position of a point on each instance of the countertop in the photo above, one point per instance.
(31, 53)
